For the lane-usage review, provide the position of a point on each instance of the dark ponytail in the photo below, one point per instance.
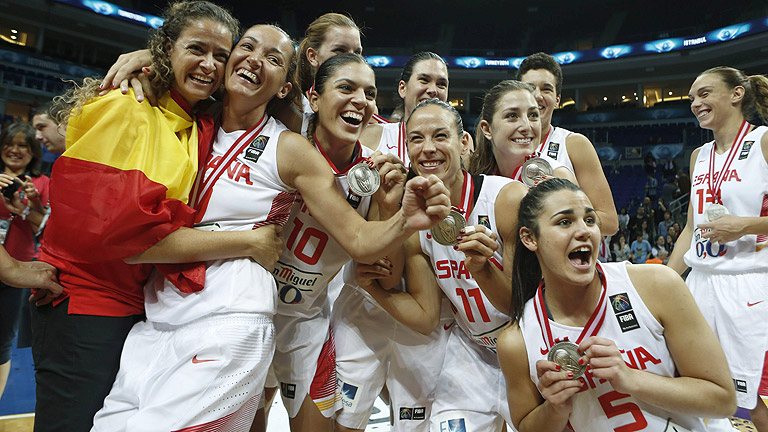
(526, 270)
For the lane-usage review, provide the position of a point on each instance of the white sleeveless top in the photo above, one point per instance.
(393, 141)
(311, 257)
(474, 313)
(553, 146)
(744, 192)
(247, 194)
(621, 316)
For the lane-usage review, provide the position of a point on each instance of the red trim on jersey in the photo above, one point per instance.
(402, 148)
(357, 157)
(590, 328)
(763, 212)
(324, 383)
(715, 191)
(379, 119)
(280, 211)
(238, 420)
(201, 194)
(496, 263)
(546, 138)
(467, 192)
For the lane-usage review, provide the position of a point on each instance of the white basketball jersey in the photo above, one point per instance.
(475, 314)
(553, 146)
(306, 114)
(393, 141)
(311, 257)
(244, 192)
(743, 191)
(622, 317)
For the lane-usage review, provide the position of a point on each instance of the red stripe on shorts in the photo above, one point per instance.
(324, 383)
(238, 420)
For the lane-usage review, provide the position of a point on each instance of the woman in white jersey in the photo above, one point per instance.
(727, 230)
(343, 98)
(599, 347)
(223, 336)
(373, 350)
(572, 149)
(464, 270)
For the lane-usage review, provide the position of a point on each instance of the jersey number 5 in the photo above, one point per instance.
(612, 410)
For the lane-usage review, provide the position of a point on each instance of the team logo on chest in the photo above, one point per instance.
(622, 307)
(484, 220)
(256, 148)
(745, 148)
(553, 149)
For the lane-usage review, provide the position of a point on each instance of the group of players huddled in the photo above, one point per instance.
(215, 245)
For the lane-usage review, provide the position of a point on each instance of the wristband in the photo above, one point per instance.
(25, 213)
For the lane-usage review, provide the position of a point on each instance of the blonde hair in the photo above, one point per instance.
(314, 36)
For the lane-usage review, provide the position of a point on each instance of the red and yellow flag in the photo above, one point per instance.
(121, 186)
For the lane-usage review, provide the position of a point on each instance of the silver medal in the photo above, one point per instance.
(715, 211)
(566, 354)
(534, 170)
(363, 180)
(448, 229)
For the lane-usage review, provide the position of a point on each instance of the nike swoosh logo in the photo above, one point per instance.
(447, 327)
(196, 361)
(391, 146)
(544, 351)
(755, 303)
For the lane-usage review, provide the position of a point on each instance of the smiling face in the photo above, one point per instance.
(515, 127)
(16, 154)
(259, 64)
(547, 98)
(51, 135)
(712, 102)
(434, 144)
(198, 58)
(346, 104)
(429, 80)
(338, 40)
(568, 237)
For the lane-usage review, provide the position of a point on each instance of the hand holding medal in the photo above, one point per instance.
(425, 203)
(478, 244)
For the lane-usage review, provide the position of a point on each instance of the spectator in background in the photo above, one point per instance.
(659, 246)
(663, 226)
(651, 184)
(670, 242)
(623, 220)
(50, 133)
(646, 231)
(658, 213)
(670, 190)
(20, 160)
(621, 250)
(649, 211)
(640, 216)
(669, 169)
(640, 249)
(650, 164)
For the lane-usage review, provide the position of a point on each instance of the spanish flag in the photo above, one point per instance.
(121, 186)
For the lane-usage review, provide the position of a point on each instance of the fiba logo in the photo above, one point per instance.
(620, 303)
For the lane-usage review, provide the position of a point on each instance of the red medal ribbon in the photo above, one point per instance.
(201, 193)
(467, 192)
(517, 175)
(544, 142)
(590, 329)
(715, 191)
(357, 157)
(401, 146)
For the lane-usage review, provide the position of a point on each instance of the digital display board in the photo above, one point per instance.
(109, 9)
(660, 46)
